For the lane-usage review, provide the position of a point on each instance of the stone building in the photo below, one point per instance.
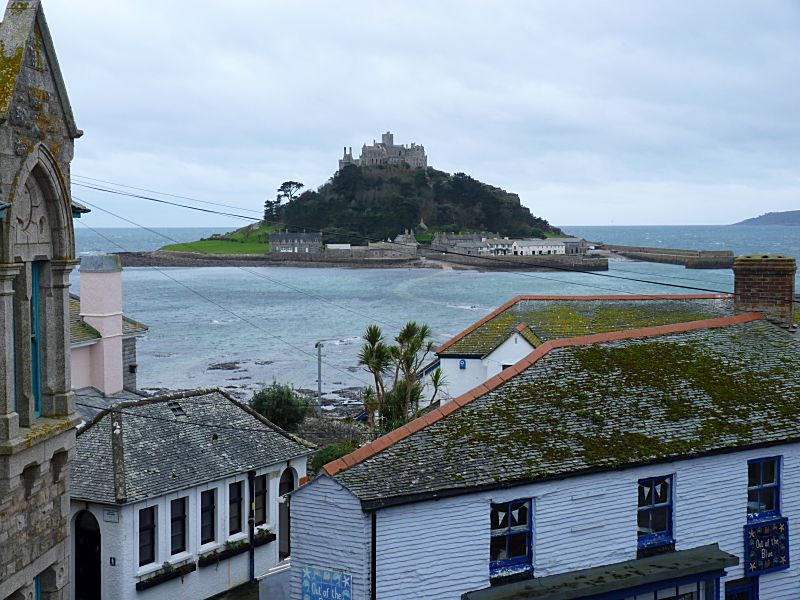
(37, 409)
(386, 152)
(297, 243)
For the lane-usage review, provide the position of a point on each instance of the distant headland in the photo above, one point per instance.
(787, 217)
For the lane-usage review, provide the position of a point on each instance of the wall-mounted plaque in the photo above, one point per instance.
(320, 583)
(766, 547)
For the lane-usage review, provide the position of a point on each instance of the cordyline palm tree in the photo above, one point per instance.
(413, 345)
(375, 356)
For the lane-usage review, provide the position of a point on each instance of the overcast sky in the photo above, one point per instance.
(623, 112)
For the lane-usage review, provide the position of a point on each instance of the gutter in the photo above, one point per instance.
(373, 574)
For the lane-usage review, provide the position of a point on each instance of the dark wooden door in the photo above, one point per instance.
(87, 557)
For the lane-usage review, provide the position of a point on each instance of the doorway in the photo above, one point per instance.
(287, 484)
(87, 557)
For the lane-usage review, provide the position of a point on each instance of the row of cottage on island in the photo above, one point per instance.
(467, 244)
(594, 447)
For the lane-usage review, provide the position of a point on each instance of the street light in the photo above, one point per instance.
(319, 346)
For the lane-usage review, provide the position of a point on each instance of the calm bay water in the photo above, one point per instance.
(268, 319)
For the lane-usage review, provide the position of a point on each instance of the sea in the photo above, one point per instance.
(241, 328)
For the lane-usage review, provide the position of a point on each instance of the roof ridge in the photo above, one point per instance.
(382, 443)
(521, 297)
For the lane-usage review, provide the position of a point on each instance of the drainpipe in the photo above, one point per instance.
(373, 575)
(251, 523)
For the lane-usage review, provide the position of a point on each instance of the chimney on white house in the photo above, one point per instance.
(766, 283)
(101, 307)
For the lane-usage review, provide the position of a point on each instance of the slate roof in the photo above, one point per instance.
(594, 403)
(552, 317)
(158, 452)
(81, 332)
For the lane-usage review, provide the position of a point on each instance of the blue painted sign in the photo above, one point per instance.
(320, 583)
(462, 364)
(766, 547)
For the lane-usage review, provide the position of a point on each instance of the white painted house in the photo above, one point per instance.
(164, 492)
(546, 247)
(508, 334)
(658, 462)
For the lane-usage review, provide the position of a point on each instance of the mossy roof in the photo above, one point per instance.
(551, 318)
(81, 332)
(599, 406)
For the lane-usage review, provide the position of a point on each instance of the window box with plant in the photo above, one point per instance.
(167, 572)
(229, 550)
(263, 536)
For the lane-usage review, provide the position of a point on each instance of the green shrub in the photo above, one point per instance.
(332, 452)
(282, 405)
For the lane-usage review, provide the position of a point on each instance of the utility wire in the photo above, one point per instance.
(131, 187)
(228, 310)
(254, 273)
(189, 401)
(450, 252)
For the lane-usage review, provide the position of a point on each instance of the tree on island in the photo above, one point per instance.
(286, 192)
(403, 363)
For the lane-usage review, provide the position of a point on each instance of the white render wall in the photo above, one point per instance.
(121, 541)
(330, 530)
(440, 548)
(479, 370)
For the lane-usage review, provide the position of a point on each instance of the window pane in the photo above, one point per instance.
(208, 528)
(661, 489)
(767, 499)
(497, 551)
(517, 545)
(645, 493)
(660, 518)
(643, 521)
(235, 507)
(768, 472)
(499, 516)
(178, 525)
(519, 514)
(753, 502)
(753, 474)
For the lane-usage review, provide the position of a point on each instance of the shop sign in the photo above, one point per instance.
(320, 583)
(766, 547)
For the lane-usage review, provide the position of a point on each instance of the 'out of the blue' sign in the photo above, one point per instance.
(462, 364)
(320, 583)
(766, 547)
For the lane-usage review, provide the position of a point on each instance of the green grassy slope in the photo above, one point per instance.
(247, 240)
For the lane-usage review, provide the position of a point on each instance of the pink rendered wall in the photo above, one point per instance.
(101, 307)
(81, 363)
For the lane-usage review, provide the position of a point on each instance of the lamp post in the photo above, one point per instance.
(319, 346)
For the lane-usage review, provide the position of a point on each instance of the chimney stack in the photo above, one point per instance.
(765, 283)
(101, 307)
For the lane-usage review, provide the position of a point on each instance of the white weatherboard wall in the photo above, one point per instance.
(478, 370)
(121, 541)
(440, 548)
(329, 530)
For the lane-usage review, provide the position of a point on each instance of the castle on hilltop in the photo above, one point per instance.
(386, 152)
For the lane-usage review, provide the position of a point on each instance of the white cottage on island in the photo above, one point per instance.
(179, 497)
(650, 462)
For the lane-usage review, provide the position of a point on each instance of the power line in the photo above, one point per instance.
(226, 309)
(485, 258)
(254, 273)
(114, 408)
(131, 187)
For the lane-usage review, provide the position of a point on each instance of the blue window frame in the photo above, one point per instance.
(511, 549)
(764, 488)
(37, 587)
(654, 517)
(36, 371)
